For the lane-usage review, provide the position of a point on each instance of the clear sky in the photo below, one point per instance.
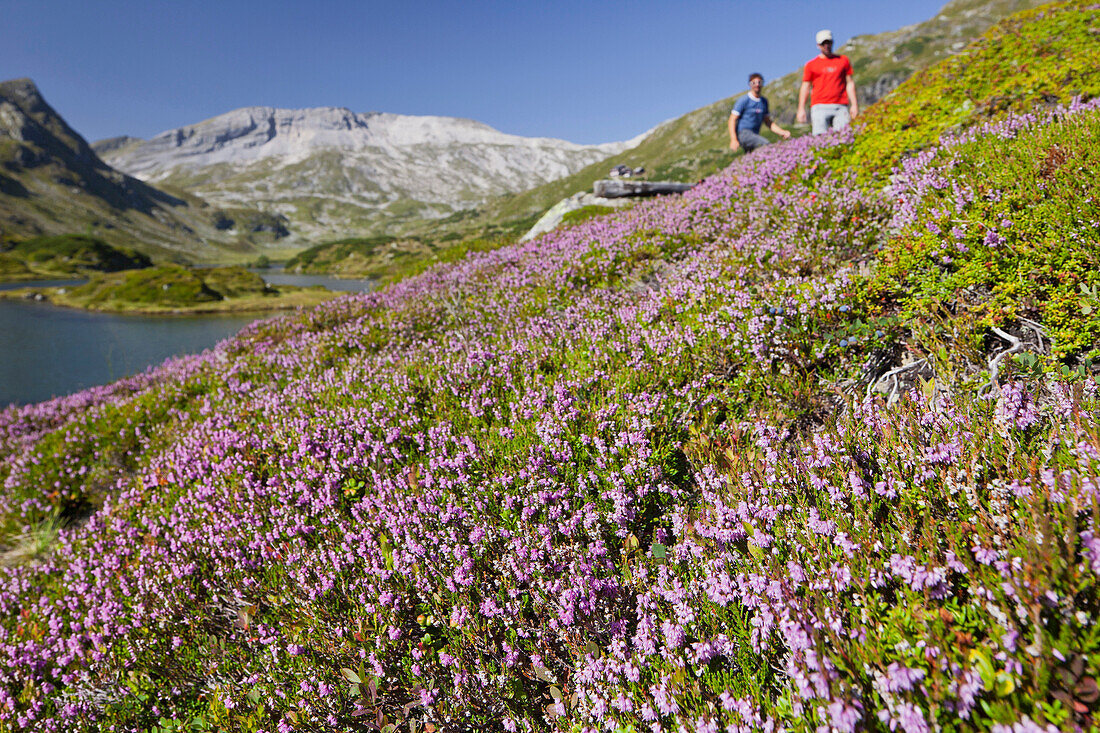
(589, 71)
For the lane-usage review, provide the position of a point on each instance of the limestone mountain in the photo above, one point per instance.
(52, 182)
(332, 171)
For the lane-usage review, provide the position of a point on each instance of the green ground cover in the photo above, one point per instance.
(65, 256)
(1040, 57)
(585, 213)
(1005, 229)
(385, 258)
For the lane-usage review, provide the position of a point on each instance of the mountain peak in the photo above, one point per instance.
(24, 94)
(25, 116)
(22, 88)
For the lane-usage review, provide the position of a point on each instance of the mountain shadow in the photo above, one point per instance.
(12, 187)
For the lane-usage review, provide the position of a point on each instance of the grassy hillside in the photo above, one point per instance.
(387, 259)
(697, 144)
(806, 448)
(373, 257)
(64, 256)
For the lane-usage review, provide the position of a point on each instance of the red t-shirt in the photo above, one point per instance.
(828, 77)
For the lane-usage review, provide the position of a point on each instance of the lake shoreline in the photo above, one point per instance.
(52, 349)
(294, 297)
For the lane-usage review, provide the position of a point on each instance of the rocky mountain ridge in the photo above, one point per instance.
(34, 137)
(52, 182)
(330, 170)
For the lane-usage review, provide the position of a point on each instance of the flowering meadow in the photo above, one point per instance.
(786, 452)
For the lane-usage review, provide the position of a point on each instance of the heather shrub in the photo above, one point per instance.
(998, 224)
(1044, 57)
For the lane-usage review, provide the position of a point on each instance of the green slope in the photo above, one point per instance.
(65, 256)
(697, 144)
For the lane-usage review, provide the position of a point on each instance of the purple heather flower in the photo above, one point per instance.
(901, 679)
(1024, 725)
(843, 717)
(1090, 549)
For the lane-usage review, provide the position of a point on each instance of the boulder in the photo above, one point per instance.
(552, 218)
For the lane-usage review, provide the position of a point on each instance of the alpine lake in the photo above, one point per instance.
(48, 351)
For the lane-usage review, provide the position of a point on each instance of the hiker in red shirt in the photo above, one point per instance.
(833, 104)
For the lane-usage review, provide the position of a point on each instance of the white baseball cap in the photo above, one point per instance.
(824, 35)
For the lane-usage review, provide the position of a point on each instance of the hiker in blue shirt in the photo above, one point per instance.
(748, 113)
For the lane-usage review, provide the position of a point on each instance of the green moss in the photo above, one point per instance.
(585, 213)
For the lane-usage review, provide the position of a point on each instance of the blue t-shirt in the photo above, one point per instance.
(752, 112)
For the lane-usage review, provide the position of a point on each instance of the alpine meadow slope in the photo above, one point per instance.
(697, 144)
(813, 446)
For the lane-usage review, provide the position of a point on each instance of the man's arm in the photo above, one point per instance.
(803, 95)
(735, 144)
(853, 103)
(774, 127)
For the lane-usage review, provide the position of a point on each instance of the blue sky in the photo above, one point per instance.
(588, 71)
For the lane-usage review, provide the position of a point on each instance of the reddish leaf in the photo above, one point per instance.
(1087, 690)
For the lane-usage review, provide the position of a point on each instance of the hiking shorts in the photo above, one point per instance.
(750, 140)
(825, 117)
